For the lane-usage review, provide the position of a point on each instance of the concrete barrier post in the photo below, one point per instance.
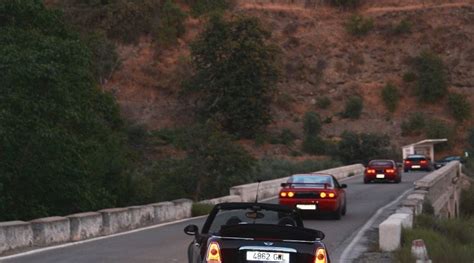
(115, 220)
(15, 234)
(141, 215)
(164, 211)
(85, 225)
(390, 232)
(50, 230)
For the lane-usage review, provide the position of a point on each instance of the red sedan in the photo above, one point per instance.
(382, 170)
(314, 193)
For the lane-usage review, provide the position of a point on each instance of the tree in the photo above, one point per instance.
(390, 96)
(236, 73)
(61, 137)
(432, 83)
(356, 148)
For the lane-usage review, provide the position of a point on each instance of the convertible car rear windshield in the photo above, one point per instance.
(313, 181)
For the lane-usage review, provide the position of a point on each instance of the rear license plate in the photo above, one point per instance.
(306, 207)
(263, 256)
(380, 176)
(415, 166)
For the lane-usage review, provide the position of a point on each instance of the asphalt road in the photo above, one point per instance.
(168, 243)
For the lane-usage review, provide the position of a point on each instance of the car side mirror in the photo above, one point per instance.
(191, 230)
(343, 185)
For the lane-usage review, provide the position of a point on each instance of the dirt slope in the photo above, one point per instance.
(320, 59)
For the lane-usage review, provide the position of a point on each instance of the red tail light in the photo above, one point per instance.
(390, 171)
(327, 195)
(370, 171)
(320, 256)
(213, 253)
(287, 194)
(423, 162)
(407, 162)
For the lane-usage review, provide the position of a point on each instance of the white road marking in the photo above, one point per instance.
(343, 258)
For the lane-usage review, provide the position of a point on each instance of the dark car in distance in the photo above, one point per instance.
(417, 162)
(382, 170)
(314, 194)
(255, 233)
(440, 163)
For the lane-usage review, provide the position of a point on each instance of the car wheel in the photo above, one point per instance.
(338, 214)
(398, 180)
(190, 252)
(344, 209)
(366, 181)
(405, 170)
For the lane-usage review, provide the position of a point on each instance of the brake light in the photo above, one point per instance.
(370, 171)
(283, 194)
(423, 162)
(390, 171)
(407, 162)
(323, 195)
(213, 253)
(320, 256)
(291, 194)
(332, 195)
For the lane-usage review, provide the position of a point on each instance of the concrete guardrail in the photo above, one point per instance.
(439, 188)
(54, 230)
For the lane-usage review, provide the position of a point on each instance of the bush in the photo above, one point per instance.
(403, 27)
(126, 20)
(268, 169)
(323, 102)
(353, 108)
(200, 209)
(105, 59)
(360, 148)
(236, 89)
(345, 3)
(470, 138)
(409, 77)
(432, 83)
(438, 129)
(314, 145)
(311, 123)
(414, 125)
(459, 107)
(287, 137)
(466, 205)
(390, 97)
(359, 25)
(201, 7)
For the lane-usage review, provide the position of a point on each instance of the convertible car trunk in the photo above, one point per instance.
(270, 243)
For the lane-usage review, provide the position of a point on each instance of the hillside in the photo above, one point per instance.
(320, 59)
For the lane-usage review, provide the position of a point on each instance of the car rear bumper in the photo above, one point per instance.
(326, 205)
(373, 177)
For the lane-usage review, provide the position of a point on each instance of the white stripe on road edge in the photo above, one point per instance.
(343, 258)
(98, 238)
(31, 252)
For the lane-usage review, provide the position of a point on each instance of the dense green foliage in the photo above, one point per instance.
(362, 147)
(459, 107)
(61, 137)
(199, 209)
(353, 107)
(390, 96)
(212, 164)
(104, 56)
(126, 20)
(440, 235)
(409, 77)
(466, 205)
(286, 137)
(403, 27)
(201, 7)
(432, 83)
(312, 143)
(268, 169)
(359, 25)
(415, 124)
(470, 138)
(323, 102)
(345, 3)
(236, 74)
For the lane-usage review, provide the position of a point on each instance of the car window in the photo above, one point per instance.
(313, 181)
(416, 158)
(380, 163)
(246, 216)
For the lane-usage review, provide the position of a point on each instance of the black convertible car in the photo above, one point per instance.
(255, 233)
